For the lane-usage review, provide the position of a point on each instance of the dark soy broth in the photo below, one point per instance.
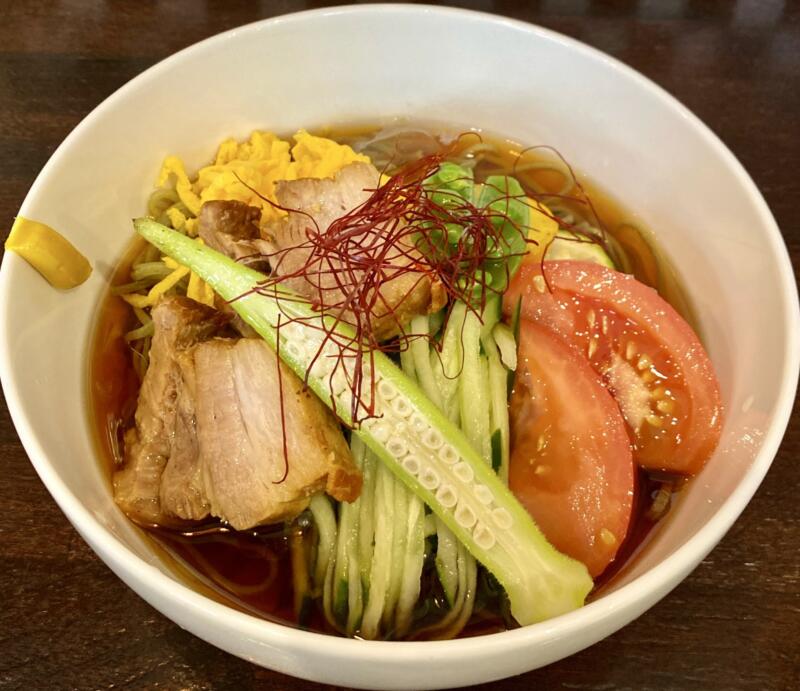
(252, 571)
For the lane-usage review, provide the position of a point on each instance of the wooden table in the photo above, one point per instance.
(65, 619)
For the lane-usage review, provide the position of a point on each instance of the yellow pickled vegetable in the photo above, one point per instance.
(49, 252)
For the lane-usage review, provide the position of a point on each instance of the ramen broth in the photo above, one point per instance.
(252, 570)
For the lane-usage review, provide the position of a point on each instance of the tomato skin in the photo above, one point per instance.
(571, 464)
(649, 357)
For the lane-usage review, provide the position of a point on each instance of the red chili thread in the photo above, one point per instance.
(399, 230)
(283, 409)
(582, 199)
(380, 240)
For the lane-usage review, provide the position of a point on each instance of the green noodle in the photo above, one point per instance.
(142, 332)
(133, 287)
(150, 270)
(161, 200)
(147, 270)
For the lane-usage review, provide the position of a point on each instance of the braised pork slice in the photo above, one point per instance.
(400, 298)
(232, 228)
(208, 438)
(182, 492)
(241, 436)
(179, 324)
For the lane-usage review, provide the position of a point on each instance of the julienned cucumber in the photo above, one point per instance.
(410, 435)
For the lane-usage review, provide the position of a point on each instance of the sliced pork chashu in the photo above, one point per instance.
(240, 436)
(182, 491)
(179, 324)
(208, 438)
(232, 228)
(316, 204)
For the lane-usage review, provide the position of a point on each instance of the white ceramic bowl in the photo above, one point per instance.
(370, 64)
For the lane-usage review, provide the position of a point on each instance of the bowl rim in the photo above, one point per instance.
(654, 583)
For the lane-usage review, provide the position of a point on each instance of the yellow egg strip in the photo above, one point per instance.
(199, 290)
(176, 218)
(159, 288)
(183, 186)
(248, 172)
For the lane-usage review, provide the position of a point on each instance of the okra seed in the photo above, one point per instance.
(411, 464)
(432, 439)
(465, 516)
(418, 423)
(386, 390)
(401, 406)
(484, 494)
(483, 537)
(338, 382)
(446, 496)
(289, 332)
(463, 471)
(429, 479)
(502, 519)
(323, 366)
(448, 454)
(381, 432)
(397, 447)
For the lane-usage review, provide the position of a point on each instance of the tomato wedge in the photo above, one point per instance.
(648, 356)
(571, 464)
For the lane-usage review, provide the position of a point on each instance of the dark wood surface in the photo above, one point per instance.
(65, 619)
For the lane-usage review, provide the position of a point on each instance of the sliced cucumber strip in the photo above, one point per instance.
(491, 315)
(420, 351)
(348, 530)
(507, 345)
(325, 520)
(397, 514)
(498, 393)
(366, 520)
(473, 399)
(446, 364)
(349, 533)
(412, 566)
(380, 578)
(446, 562)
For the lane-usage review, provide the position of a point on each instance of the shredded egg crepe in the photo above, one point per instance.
(242, 171)
(260, 163)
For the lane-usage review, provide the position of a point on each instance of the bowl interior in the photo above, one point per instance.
(372, 66)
